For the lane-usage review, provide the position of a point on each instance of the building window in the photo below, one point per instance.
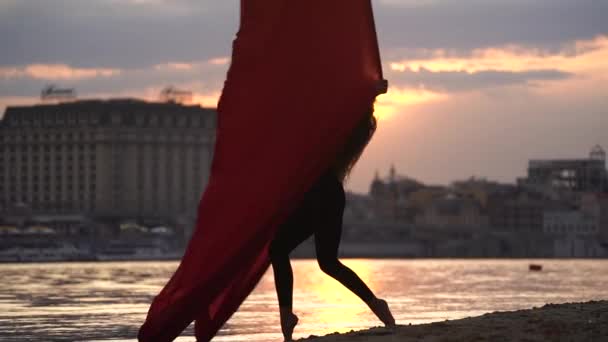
(116, 119)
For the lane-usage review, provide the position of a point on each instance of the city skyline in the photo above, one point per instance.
(477, 88)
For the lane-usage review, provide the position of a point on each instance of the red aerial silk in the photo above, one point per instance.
(302, 74)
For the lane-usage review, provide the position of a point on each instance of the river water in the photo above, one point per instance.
(109, 301)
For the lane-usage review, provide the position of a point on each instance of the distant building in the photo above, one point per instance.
(596, 204)
(358, 208)
(577, 175)
(571, 222)
(479, 188)
(519, 210)
(120, 158)
(419, 200)
(453, 211)
(390, 196)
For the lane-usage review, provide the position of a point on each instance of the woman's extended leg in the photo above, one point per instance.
(327, 241)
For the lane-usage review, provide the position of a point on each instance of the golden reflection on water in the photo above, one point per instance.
(337, 306)
(109, 301)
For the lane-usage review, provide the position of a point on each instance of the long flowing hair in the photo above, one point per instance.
(353, 148)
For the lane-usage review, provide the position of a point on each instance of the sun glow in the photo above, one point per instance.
(206, 100)
(398, 99)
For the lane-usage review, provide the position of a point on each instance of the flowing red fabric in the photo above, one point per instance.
(302, 74)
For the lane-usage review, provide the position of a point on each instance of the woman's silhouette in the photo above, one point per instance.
(319, 61)
(320, 214)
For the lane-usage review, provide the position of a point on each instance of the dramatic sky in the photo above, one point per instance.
(478, 87)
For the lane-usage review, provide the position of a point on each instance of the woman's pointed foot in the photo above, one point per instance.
(380, 308)
(288, 324)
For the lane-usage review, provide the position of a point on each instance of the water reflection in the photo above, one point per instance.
(108, 301)
(328, 303)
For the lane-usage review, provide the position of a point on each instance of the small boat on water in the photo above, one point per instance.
(535, 267)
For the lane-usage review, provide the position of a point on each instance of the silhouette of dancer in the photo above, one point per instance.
(306, 58)
(320, 214)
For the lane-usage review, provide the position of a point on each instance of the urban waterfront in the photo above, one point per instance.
(108, 301)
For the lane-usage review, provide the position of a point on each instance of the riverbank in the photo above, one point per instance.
(584, 322)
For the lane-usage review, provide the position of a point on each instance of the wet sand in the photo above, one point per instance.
(585, 322)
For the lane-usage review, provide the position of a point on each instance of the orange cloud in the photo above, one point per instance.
(56, 72)
(175, 66)
(64, 72)
(10, 72)
(219, 61)
(588, 56)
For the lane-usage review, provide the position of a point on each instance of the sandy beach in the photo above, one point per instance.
(585, 322)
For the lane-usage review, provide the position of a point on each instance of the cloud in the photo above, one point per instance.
(55, 72)
(139, 33)
(464, 25)
(441, 71)
(455, 81)
(25, 81)
(175, 66)
(579, 56)
(219, 61)
(115, 34)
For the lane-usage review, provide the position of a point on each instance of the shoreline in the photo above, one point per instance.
(553, 322)
(376, 257)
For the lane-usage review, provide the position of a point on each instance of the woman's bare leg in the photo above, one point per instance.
(292, 233)
(283, 281)
(327, 242)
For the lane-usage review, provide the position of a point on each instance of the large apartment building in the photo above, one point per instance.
(121, 158)
(580, 175)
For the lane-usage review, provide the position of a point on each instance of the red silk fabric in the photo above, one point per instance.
(302, 74)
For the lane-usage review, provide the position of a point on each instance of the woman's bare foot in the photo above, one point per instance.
(380, 308)
(288, 323)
